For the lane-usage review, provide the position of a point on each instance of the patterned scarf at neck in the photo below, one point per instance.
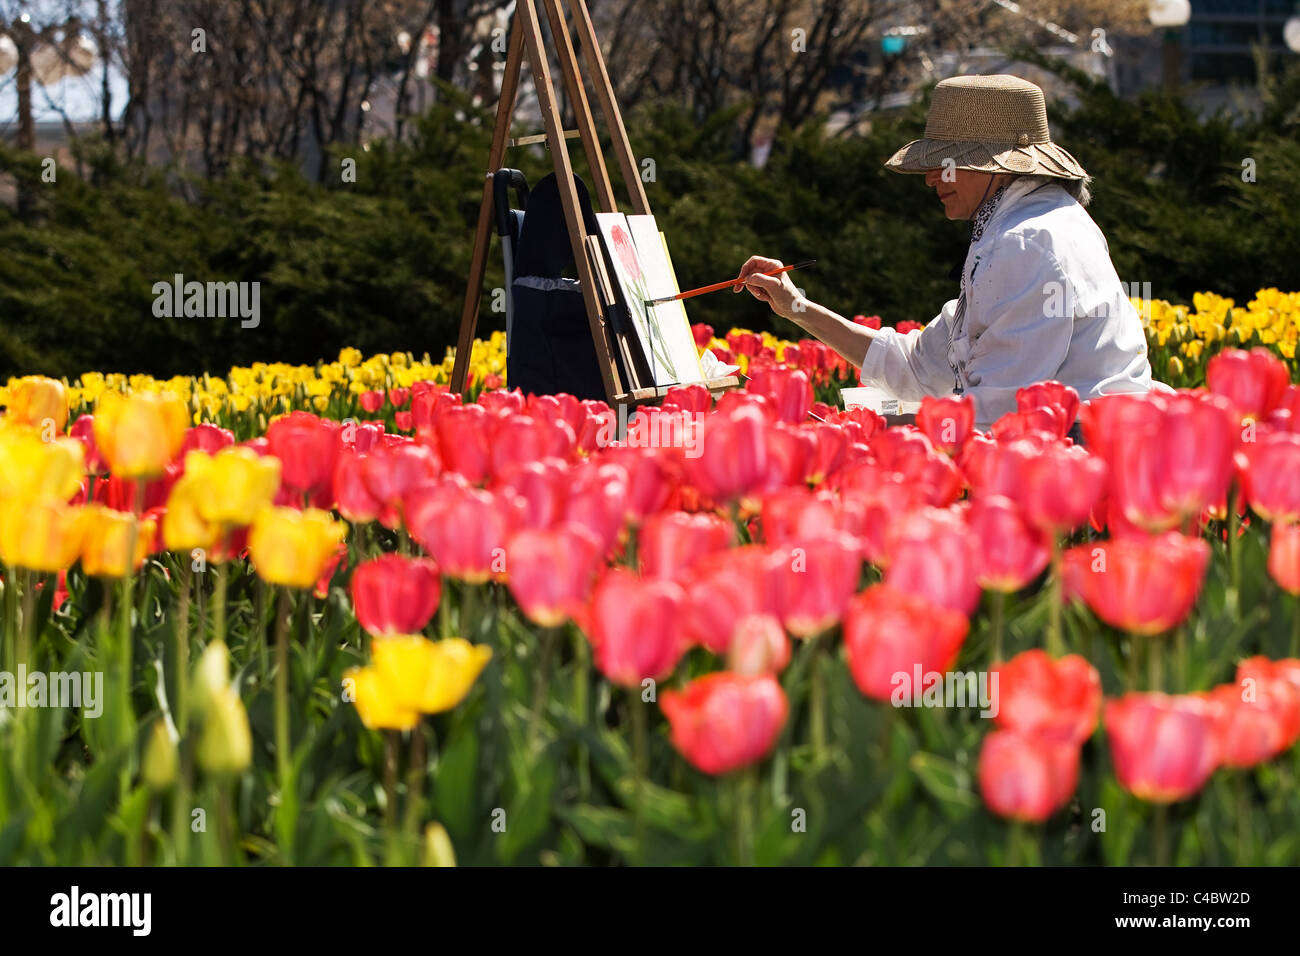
(985, 212)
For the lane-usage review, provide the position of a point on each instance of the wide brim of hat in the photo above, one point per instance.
(1036, 159)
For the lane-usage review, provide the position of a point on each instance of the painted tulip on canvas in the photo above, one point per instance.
(668, 318)
(669, 350)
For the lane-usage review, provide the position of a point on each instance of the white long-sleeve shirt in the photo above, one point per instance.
(1042, 301)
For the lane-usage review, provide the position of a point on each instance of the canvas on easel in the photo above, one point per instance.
(668, 318)
(668, 346)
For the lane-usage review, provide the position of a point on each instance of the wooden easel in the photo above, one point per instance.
(625, 377)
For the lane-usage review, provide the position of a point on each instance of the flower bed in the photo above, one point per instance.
(336, 615)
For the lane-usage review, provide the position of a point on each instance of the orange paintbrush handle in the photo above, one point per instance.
(718, 286)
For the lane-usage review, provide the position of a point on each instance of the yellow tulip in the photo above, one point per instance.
(438, 850)
(40, 535)
(292, 547)
(34, 398)
(36, 470)
(238, 483)
(226, 743)
(158, 766)
(184, 527)
(428, 676)
(375, 705)
(108, 537)
(139, 434)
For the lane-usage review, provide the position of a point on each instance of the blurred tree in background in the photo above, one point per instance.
(380, 263)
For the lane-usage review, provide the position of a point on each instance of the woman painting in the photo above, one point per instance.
(1039, 296)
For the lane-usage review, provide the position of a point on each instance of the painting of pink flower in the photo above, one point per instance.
(626, 253)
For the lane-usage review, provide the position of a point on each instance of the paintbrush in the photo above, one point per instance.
(717, 286)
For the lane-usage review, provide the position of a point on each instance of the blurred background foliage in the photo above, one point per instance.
(380, 263)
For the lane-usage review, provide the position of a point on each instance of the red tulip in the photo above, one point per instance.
(734, 454)
(204, 437)
(1268, 469)
(870, 321)
(393, 594)
(818, 576)
(1009, 552)
(355, 502)
(1142, 584)
(1173, 460)
(1277, 684)
(543, 486)
(722, 722)
(360, 437)
(1051, 699)
(1044, 424)
(1163, 747)
(651, 479)
(1253, 381)
(1027, 778)
(1061, 484)
(635, 628)
(399, 396)
(83, 429)
(597, 501)
(728, 587)
(672, 542)
(465, 440)
(758, 646)
(519, 439)
(428, 401)
(933, 555)
(308, 449)
(888, 632)
(690, 398)
(336, 563)
(1251, 731)
(391, 472)
(464, 529)
(703, 334)
(1284, 557)
(371, 401)
(948, 421)
(550, 572)
(787, 390)
(1060, 398)
(404, 421)
(796, 514)
(830, 445)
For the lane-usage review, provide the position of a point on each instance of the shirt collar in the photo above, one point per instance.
(985, 212)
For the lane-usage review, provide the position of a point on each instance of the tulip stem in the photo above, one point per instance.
(414, 786)
(1234, 550)
(467, 611)
(744, 783)
(999, 612)
(1155, 664)
(26, 630)
(1180, 652)
(541, 680)
(1295, 626)
(182, 650)
(641, 754)
(1055, 643)
(817, 699)
(11, 614)
(580, 679)
(444, 610)
(1162, 834)
(283, 761)
(219, 601)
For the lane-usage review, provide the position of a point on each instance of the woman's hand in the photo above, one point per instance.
(777, 291)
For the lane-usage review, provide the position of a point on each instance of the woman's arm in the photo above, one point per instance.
(847, 338)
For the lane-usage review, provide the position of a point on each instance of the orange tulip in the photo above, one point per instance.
(139, 434)
(107, 540)
(35, 399)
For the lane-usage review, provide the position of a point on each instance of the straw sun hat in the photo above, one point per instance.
(993, 124)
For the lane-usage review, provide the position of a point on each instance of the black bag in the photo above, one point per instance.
(551, 347)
